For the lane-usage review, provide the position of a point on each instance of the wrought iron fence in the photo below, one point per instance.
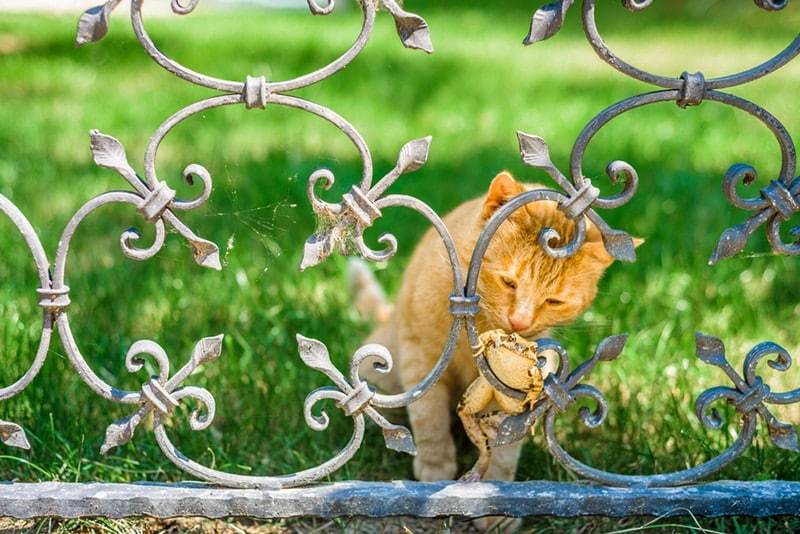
(341, 230)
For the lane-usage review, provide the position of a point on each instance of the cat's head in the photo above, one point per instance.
(523, 289)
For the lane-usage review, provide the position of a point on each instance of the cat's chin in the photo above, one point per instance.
(531, 334)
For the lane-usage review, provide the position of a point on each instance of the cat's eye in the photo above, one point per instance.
(509, 282)
(554, 302)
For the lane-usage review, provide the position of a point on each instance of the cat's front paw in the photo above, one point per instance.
(427, 471)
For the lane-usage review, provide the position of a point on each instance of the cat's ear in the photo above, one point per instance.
(597, 254)
(502, 189)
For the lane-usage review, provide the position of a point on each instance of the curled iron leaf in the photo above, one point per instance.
(516, 427)
(206, 253)
(108, 152)
(547, 21)
(190, 174)
(781, 362)
(620, 170)
(534, 151)
(710, 349)
(411, 28)
(746, 175)
(314, 353)
(140, 254)
(611, 347)
(783, 436)
(318, 9)
(327, 179)
(384, 254)
(703, 405)
(134, 362)
(317, 248)
(398, 438)
(93, 24)
(591, 418)
(207, 349)
(731, 242)
(413, 155)
(12, 435)
(319, 422)
(636, 5)
(414, 33)
(771, 5)
(179, 8)
(380, 356)
(620, 245)
(120, 432)
(199, 419)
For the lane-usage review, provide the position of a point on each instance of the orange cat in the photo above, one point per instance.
(521, 290)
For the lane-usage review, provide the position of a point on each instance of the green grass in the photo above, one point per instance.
(472, 95)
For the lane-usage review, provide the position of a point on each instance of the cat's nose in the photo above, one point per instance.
(518, 323)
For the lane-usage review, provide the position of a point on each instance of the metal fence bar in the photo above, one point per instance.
(401, 498)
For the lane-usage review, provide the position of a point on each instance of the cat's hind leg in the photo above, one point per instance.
(386, 382)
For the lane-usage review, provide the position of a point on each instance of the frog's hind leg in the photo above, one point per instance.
(487, 423)
(490, 424)
(476, 398)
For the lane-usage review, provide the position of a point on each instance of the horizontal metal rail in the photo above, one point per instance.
(400, 498)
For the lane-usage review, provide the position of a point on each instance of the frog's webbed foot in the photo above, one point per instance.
(475, 474)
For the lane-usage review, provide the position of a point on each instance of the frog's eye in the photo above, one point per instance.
(509, 282)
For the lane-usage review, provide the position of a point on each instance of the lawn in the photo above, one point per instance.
(472, 95)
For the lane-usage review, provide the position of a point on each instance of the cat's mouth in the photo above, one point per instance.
(530, 333)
